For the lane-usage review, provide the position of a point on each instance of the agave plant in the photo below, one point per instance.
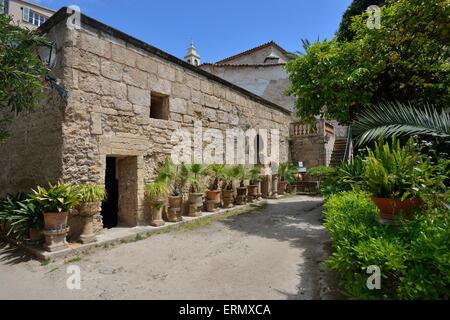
(397, 119)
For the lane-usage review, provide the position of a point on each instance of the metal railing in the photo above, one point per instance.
(348, 145)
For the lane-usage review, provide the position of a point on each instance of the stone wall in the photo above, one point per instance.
(110, 83)
(32, 155)
(267, 81)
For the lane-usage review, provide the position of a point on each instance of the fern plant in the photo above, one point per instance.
(393, 171)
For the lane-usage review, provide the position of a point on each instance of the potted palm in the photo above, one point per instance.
(176, 178)
(242, 176)
(90, 197)
(156, 192)
(228, 177)
(55, 201)
(196, 171)
(214, 172)
(392, 175)
(287, 177)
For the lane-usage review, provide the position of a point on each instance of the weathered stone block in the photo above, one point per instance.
(146, 63)
(138, 96)
(178, 105)
(124, 55)
(135, 77)
(111, 70)
(140, 110)
(95, 45)
(166, 71)
(180, 90)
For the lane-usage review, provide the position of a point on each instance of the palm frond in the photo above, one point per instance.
(397, 119)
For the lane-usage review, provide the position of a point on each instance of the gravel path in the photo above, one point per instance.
(274, 253)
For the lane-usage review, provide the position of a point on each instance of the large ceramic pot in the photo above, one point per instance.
(55, 220)
(196, 198)
(391, 208)
(175, 202)
(213, 196)
(228, 198)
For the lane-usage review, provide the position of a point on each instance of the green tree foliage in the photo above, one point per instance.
(406, 60)
(21, 71)
(356, 8)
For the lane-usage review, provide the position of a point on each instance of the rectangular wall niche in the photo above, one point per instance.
(159, 108)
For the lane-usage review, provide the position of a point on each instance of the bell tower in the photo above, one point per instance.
(192, 57)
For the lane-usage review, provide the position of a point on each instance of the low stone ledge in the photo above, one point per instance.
(120, 235)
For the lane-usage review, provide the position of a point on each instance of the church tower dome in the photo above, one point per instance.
(192, 57)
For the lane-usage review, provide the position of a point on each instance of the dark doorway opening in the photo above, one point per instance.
(110, 207)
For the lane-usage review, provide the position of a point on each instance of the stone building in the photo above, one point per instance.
(259, 70)
(126, 98)
(25, 13)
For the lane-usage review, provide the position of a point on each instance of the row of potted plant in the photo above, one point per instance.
(211, 186)
(27, 215)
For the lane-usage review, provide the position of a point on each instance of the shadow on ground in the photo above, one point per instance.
(11, 255)
(299, 223)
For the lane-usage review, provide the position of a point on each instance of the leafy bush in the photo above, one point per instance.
(55, 198)
(414, 257)
(87, 193)
(22, 213)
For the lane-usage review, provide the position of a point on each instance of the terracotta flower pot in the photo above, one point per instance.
(55, 220)
(252, 190)
(175, 202)
(391, 208)
(213, 196)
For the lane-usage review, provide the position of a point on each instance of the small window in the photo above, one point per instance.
(159, 108)
(3, 6)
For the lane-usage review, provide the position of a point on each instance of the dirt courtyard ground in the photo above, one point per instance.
(272, 253)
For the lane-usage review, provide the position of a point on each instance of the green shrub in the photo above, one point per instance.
(87, 193)
(414, 257)
(22, 213)
(55, 198)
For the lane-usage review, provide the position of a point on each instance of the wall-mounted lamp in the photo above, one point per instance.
(47, 54)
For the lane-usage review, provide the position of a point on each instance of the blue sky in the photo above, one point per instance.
(218, 28)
